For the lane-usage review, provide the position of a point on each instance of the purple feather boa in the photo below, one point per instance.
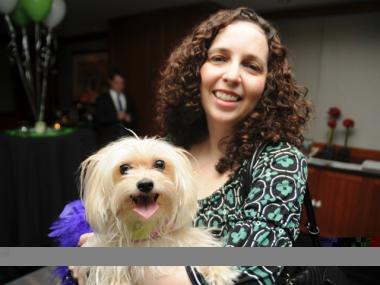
(66, 231)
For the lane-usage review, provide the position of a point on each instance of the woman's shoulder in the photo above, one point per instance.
(282, 157)
(270, 153)
(281, 148)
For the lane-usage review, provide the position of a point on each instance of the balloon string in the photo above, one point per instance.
(28, 65)
(45, 66)
(34, 70)
(16, 56)
(37, 63)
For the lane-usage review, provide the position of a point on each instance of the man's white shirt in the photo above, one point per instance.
(116, 101)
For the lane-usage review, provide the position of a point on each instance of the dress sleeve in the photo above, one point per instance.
(269, 215)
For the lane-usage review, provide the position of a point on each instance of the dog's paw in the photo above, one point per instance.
(219, 275)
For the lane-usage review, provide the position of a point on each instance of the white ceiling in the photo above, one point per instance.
(91, 16)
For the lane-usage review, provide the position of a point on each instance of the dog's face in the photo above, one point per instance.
(144, 181)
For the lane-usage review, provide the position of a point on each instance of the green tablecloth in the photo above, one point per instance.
(31, 133)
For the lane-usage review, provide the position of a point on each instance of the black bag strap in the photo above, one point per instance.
(251, 165)
(312, 227)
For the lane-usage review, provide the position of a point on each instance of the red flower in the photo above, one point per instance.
(348, 123)
(331, 123)
(334, 112)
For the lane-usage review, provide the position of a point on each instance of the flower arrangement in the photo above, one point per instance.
(348, 123)
(329, 151)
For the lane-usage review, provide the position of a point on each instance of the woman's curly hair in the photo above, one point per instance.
(280, 114)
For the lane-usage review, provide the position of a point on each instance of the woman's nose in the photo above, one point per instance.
(232, 74)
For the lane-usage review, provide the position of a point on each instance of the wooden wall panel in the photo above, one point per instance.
(373, 202)
(139, 45)
(339, 210)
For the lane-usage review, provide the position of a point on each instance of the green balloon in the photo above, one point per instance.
(19, 16)
(37, 9)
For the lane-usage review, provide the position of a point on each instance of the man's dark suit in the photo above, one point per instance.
(107, 125)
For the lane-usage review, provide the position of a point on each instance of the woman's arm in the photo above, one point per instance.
(269, 214)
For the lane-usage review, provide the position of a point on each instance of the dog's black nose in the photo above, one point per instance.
(145, 185)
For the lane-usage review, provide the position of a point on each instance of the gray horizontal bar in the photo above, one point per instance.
(324, 256)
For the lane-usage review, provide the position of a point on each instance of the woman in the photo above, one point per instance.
(226, 91)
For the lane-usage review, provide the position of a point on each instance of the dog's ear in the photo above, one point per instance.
(93, 180)
(187, 205)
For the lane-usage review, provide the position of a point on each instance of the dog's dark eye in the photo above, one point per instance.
(124, 168)
(160, 164)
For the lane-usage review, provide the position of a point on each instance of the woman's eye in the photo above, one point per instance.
(217, 58)
(160, 164)
(253, 67)
(124, 169)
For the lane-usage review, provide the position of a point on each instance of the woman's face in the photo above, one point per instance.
(233, 76)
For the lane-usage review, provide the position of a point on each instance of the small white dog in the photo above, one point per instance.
(141, 193)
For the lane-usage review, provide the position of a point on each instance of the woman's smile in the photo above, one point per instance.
(226, 100)
(227, 96)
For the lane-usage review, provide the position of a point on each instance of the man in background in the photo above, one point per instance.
(113, 110)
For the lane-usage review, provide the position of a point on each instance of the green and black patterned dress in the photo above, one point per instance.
(268, 215)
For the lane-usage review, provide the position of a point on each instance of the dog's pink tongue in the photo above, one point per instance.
(146, 210)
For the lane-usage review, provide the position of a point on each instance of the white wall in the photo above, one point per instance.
(338, 59)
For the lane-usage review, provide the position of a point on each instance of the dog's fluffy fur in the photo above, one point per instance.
(141, 193)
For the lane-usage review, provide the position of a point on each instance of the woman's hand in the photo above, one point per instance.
(83, 238)
(79, 273)
(178, 278)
